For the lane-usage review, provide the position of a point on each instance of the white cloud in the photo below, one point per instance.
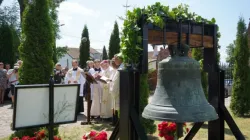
(97, 45)
(76, 8)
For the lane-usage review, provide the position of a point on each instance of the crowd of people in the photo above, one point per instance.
(8, 80)
(104, 95)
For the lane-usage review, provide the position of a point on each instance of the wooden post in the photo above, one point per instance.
(51, 108)
(89, 80)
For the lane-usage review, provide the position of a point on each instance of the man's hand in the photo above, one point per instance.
(69, 82)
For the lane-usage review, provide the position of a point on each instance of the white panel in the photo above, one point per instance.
(32, 106)
(65, 103)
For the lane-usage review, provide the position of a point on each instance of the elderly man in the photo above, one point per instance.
(75, 76)
(106, 100)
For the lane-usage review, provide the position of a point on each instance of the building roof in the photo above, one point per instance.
(74, 52)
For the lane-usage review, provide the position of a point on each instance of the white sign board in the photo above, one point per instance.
(32, 104)
(65, 98)
(31, 108)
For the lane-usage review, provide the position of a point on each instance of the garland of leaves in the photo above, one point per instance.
(131, 40)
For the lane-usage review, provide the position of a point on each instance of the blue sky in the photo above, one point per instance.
(100, 15)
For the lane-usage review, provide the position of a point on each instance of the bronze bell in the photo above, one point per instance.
(179, 96)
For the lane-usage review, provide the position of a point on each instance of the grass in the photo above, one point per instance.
(242, 123)
(76, 131)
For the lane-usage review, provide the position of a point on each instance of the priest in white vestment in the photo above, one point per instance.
(106, 99)
(96, 92)
(115, 87)
(75, 76)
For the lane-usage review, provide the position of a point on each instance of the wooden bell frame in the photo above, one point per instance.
(196, 35)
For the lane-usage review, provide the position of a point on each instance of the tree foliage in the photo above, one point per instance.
(53, 5)
(60, 51)
(37, 41)
(104, 53)
(114, 42)
(240, 97)
(230, 53)
(7, 54)
(84, 47)
(230, 59)
(9, 17)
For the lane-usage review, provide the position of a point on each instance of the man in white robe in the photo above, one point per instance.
(106, 99)
(96, 92)
(75, 76)
(115, 88)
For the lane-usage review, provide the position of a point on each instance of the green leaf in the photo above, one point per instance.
(172, 15)
(213, 20)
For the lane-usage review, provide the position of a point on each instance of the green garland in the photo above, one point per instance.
(131, 40)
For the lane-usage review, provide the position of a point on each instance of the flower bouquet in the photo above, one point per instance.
(168, 130)
(93, 135)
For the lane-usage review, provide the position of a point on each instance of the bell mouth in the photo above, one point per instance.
(201, 113)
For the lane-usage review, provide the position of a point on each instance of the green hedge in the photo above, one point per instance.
(148, 125)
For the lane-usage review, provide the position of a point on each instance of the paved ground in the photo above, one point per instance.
(6, 118)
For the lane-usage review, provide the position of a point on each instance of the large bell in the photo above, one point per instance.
(179, 96)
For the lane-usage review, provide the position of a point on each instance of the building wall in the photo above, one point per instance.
(97, 56)
(66, 61)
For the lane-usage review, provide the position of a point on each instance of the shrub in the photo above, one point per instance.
(148, 125)
(240, 96)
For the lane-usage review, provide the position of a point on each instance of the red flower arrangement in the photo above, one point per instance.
(93, 135)
(168, 130)
(40, 135)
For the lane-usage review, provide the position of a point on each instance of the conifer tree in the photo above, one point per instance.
(84, 47)
(114, 42)
(7, 54)
(240, 95)
(36, 48)
(104, 53)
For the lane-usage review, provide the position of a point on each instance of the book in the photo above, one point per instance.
(90, 78)
(104, 80)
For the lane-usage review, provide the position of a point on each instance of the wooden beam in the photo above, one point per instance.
(156, 38)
